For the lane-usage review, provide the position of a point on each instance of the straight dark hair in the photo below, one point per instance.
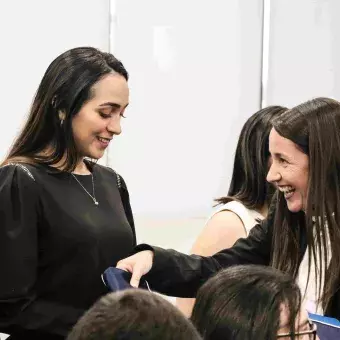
(133, 314)
(314, 127)
(248, 182)
(65, 87)
(244, 303)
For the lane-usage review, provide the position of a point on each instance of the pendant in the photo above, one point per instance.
(95, 202)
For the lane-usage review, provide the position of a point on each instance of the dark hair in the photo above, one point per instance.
(244, 303)
(314, 127)
(248, 183)
(66, 86)
(133, 314)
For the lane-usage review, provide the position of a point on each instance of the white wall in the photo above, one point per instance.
(304, 51)
(195, 70)
(32, 34)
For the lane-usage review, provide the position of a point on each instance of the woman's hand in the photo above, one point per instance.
(138, 264)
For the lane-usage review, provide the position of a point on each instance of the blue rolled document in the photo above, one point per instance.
(117, 279)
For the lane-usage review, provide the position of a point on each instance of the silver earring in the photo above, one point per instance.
(61, 122)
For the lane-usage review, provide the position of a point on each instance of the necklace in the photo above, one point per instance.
(93, 195)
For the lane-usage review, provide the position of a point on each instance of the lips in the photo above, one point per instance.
(287, 190)
(104, 141)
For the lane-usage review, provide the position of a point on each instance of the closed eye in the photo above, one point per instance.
(283, 161)
(105, 115)
(109, 115)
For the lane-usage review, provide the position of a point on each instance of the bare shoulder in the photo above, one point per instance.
(221, 231)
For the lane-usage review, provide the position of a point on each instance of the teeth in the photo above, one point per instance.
(103, 139)
(286, 189)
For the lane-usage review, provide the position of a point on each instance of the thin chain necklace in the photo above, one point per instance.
(93, 195)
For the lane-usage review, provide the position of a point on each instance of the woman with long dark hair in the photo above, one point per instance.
(63, 217)
(301, 234)
(249, 194)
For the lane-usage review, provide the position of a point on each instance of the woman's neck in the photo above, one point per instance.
(80, 169)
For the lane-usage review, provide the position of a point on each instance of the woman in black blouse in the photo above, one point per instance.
(63, 218)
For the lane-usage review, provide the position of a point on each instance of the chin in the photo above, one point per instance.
(95, 155)
(294, 208)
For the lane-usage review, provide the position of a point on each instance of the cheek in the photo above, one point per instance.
(303, 180)
(87, 126)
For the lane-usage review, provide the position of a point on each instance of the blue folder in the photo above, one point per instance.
(328, 328)
(117, 279)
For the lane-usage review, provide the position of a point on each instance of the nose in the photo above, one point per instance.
(273, 174)
(114, 126)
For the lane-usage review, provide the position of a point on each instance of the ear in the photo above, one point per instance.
(62, 115)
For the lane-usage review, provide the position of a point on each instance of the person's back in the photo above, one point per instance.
(249, 302)
(133, 315)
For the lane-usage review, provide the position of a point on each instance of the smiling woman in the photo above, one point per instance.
(63, 218)
(301, 234)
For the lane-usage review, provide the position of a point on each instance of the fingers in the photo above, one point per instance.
(124, 266)
(135, 279)
(138, 264)
(132, 267)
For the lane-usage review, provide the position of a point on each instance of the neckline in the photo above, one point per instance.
(55, 171)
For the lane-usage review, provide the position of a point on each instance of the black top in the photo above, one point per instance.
(54, 245)
(177, 274)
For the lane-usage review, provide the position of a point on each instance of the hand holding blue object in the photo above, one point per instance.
(117, 279)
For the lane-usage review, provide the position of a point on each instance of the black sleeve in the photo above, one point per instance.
(124, 194)
(18, 241)
(21, 310)
(177, 274)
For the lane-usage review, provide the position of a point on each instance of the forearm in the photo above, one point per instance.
(177, 274)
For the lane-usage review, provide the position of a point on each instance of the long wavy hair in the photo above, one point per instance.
(65, 87)
(248, 182)
(314, 127)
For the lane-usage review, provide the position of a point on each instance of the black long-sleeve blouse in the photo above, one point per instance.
(55, 243)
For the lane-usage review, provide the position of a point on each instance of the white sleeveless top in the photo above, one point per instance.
(247, 216)
(310, 296)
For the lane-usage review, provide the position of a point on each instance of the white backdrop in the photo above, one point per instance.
(195, 70)
(32, 34)
(304, 51)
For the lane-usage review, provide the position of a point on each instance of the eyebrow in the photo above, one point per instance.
(278, 154)
(113, 105)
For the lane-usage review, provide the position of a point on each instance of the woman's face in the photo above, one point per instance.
(288, 171)
(302, 325)
(98, 121)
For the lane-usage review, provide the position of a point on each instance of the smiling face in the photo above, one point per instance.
(288, 171)
(99, 118)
